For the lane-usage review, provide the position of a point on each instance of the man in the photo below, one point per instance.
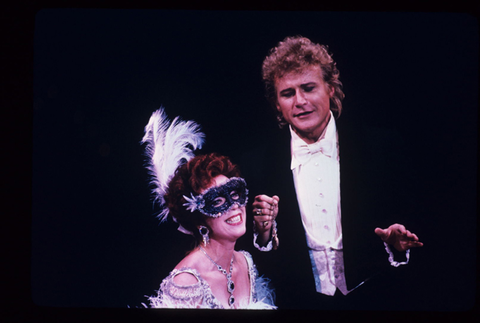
(303, 172)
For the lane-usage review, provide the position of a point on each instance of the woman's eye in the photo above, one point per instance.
(218, 201)
(234, 195)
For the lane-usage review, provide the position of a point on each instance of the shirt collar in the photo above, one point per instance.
(329, 133)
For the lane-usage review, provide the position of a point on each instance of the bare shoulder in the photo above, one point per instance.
(190, 261)
(185, 279)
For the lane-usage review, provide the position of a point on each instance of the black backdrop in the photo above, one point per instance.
(100, 73)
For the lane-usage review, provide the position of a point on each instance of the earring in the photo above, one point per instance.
(204, 232)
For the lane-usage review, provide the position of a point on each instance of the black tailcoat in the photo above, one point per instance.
(375, 183)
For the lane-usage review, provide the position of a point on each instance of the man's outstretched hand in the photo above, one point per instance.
(399, 237)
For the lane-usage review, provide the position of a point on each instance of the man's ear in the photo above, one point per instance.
(279, 112)
(331, 90)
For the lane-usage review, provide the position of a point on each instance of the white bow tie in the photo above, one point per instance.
(303, 152)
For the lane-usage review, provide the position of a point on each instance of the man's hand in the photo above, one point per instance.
(399, 237)
(265, 210)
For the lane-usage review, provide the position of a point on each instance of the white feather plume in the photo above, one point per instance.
(169, 145)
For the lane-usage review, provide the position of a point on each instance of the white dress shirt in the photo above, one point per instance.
(317, 184)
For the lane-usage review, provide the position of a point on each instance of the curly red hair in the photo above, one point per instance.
(194, 177)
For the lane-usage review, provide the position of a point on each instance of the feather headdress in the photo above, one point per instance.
(169, 145)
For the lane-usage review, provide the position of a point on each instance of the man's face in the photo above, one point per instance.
(304, 101)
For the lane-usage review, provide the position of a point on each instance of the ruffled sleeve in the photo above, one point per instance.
(172, 295)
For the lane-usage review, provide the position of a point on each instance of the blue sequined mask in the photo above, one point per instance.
(219, 199)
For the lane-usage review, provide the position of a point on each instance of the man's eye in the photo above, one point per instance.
(287, 94)
(218, 201)
(234, 195)
(308, 88)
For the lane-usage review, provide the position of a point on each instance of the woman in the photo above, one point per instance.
(207, 198)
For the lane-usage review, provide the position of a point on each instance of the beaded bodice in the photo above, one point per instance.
(199, 295)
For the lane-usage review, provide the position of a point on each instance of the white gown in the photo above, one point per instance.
(199, 295)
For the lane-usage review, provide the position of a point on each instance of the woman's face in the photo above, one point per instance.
(231, 224)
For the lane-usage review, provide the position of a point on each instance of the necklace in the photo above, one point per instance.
(230, 284)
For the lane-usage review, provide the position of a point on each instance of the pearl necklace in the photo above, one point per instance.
(230, 284)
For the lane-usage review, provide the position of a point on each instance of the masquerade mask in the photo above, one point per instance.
(219, 199)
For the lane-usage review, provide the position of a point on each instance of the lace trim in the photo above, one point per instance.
(172, 295)
(182, 292)
(391, 257)
(268, 247)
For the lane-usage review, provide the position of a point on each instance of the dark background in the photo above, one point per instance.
(98, 74)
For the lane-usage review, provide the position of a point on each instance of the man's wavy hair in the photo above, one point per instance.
(194, 177)
(295, 54)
